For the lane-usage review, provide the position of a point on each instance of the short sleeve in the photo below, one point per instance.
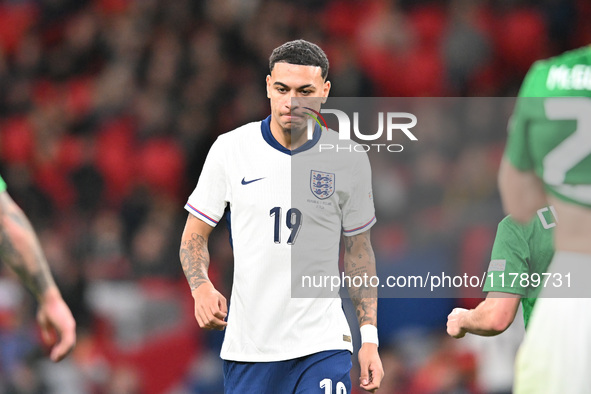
(2, 185)
(358, 210)
(208, 200)
(509, 259)
(517, 148)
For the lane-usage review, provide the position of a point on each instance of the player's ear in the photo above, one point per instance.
(268, 86)
(325, 91)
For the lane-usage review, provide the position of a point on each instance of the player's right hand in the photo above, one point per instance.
(211, 307)
(454, 327)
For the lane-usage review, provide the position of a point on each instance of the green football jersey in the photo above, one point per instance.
(550, 131)
(520, 256)
(2, 184)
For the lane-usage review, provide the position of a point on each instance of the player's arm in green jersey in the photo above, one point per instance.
(491, 317)
(21, 251)
(522, 191)
(360, 261)
(496, 313)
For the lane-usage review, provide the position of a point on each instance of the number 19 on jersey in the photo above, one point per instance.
(293, 221)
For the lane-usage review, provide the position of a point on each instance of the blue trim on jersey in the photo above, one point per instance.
(360, 227)
(201, 213)
(268, 136)
(229, 227)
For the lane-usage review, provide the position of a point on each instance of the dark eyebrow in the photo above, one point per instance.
(299, 88)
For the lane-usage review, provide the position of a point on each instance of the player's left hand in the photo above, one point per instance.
(454, 319)
(372, 371)
(58, 327)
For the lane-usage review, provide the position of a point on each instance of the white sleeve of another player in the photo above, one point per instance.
(358, 210)
(208, 200)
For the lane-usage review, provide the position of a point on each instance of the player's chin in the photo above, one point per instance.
(295, 128)
(293, 123)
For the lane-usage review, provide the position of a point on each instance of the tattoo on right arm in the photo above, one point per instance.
(359, 261)
(195, 260)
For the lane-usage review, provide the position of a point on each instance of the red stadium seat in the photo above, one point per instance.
(521, 36)
(15, 20)
(115, 157)
(16, 140)
(161, 165)
(79, 97)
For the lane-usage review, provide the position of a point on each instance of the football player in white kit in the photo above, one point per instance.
(283, 193)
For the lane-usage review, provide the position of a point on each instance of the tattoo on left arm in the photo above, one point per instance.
(20, 249)
(360, 261)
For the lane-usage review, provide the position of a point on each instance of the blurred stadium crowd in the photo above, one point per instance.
(107, 111)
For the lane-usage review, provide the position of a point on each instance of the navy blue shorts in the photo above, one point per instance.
(308, 374)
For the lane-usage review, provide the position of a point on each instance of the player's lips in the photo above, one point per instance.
(293, 116)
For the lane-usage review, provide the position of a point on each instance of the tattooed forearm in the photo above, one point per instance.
(20, 249)
(195, 260)
(360, 262)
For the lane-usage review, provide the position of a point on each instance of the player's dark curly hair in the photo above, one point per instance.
(300, 52)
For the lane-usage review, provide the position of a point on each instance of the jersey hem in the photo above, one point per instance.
(519, 165)
(255, 358)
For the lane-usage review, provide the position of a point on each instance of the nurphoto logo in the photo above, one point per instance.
(392, 123)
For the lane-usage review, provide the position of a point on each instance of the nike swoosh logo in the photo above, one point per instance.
(244, 182)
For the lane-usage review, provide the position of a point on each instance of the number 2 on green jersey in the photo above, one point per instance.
(575, 147)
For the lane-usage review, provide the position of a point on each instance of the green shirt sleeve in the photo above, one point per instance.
(2, 185)
(517, 149)
(509, 259)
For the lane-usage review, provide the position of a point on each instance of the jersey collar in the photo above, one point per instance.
(268, 136)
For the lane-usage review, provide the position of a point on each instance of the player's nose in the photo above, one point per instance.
(295, 102)
(290, 97)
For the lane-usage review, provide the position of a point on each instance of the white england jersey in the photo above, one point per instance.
(248, 170)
